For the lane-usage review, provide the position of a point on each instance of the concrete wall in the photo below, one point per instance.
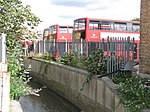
(145, 37)
(97, 96)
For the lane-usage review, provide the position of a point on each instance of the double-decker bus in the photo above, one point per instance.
(94, 30)
(58, 33)
(57, 37)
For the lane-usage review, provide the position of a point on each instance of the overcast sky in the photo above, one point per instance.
(63, 12)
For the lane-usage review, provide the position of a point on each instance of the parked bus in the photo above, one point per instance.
(58, 33)
(93, 30)
(56, 38)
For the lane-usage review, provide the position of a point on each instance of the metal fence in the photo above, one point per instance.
(119, 51)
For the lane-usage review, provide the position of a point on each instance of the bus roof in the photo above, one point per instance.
(61, 25)
(111, 20)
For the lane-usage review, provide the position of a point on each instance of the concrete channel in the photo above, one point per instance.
(44, 100)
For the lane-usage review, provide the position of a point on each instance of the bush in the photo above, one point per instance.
(97, 63)
(69, 59)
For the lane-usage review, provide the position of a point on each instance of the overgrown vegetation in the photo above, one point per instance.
(135, 93)
(18, 80)
(97, 63)
(120, 77)
(73, 60)
(14, 20)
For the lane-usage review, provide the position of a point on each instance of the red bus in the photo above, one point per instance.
(58, 36)
(59, 33)
(95, 29)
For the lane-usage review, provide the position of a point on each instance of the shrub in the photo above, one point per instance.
(97, 63)
(69, 59)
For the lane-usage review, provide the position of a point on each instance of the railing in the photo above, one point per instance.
(120, 55)
(118, 51)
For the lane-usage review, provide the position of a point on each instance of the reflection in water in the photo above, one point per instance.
(46, 101)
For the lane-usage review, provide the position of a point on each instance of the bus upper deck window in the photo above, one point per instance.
(105, 25)
(76, 25)
(129, 27)
(136, 27)
(94, 25)
(79, 24)
(63, 29)
(70, 30)
(120, 26)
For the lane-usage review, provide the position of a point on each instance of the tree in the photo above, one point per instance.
(136, 19)
(14, 19)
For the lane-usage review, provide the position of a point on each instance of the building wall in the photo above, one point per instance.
(145, 37)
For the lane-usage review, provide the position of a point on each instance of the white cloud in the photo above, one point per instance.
(65, 11)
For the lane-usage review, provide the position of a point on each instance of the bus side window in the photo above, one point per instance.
(93, 25)
(105, 25)
(70, 29)
(120, 26)
(129, 27)
(63, 29)
(111, 25)
(136, 27)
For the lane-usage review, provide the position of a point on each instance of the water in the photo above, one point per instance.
(45, 101)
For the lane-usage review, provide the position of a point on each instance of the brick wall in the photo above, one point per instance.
(145, 37)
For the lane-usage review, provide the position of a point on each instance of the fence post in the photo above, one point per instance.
(4, 88)
(4, 77)
(3, 48)
(6, 92)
